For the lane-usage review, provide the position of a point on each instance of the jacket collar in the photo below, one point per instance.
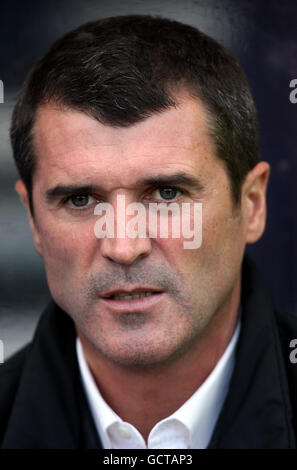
(50, 408)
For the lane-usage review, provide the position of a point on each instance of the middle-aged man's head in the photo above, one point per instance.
(156, 111)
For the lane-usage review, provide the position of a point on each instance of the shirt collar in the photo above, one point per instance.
(200, 412)
(102, 414)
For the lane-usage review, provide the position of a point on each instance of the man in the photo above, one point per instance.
(147, 343)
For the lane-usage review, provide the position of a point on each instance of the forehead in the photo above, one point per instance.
(70, 144)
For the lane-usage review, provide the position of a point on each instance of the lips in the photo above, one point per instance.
(139, 295)
(136, 292)
(134, 299)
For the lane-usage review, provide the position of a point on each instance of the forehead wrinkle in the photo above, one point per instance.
(124, 151)
(87, 138)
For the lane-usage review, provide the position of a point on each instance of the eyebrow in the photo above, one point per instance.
(180, 178)
(67, 190)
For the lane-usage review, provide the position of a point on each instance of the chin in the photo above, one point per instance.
(147, 355)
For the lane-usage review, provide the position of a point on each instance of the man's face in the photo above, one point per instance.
(189, 286)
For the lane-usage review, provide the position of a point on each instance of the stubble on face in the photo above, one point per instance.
(146, 332)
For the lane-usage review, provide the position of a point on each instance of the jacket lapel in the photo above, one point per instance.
(257, 410)
(50, 409)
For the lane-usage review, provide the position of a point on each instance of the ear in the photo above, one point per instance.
(254, 201)
(24, 196)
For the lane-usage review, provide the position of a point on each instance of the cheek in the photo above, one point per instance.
(221, 229)
(221, 251)
(183, 261)
(67, 246)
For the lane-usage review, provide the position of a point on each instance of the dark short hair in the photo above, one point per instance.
(123, 69)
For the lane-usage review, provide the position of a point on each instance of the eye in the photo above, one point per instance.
(167, 194)
(80, 200)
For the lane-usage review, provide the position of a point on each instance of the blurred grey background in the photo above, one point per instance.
(264, 38)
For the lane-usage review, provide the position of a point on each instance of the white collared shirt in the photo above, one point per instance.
(189, 427)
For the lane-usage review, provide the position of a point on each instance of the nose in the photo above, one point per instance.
(125, 245)
(125, 250)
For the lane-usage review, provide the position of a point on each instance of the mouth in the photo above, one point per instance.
(134, 299)
(131, 296)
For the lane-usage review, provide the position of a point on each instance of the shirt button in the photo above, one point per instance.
(124, 432)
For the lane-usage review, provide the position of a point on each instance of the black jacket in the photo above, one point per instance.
(43, 405)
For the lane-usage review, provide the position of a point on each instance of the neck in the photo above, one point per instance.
(143, 397)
